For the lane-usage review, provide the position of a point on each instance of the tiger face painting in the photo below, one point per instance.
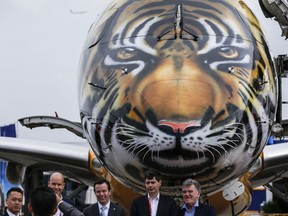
(186, 87)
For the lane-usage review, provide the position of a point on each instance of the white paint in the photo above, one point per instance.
(40, 46)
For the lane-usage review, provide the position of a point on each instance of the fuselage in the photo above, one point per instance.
(185, 87)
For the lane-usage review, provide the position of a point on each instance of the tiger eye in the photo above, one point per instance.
(228, 52)
(126, 53)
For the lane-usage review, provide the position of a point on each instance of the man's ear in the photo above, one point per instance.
(30, 208)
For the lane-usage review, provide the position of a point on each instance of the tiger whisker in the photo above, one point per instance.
(137, 147)
(158, 151)
(232, 141)
(127, 142)
(227, 140)
(131, 148)
(203, 153)
(134, 145)
(149, 150)
(198, 155)
(231, 146)
(125, 131)
(211, 154)
(218, 144)
(210, 147)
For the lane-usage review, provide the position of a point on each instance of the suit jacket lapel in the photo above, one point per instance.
(198, 211)
(96, 209)
(147, 210)
(159, 208)
(112, 210)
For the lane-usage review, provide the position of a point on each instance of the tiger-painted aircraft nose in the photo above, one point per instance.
(185, 87)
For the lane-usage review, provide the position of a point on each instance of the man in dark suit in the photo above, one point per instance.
(191, 190)
(154, 203)
(57, 184)
(103, 207)
(14, 202)
(42, 202)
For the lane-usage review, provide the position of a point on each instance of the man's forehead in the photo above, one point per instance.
(101, 186)
(57, 182)
(15, 194)
(151, 180)
(189, 187)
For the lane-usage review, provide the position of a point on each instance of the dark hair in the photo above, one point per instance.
(150, 174)
(43, 201)
(102, 181)
(16, 189)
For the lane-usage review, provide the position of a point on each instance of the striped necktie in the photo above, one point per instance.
(102, 212)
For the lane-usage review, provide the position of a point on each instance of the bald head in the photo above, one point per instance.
(56, 182)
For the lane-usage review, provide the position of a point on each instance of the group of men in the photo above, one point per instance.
(156, 204)
(48, 201)
(42, 200)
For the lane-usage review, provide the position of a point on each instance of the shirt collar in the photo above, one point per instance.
(107, 205)
(157, 197)
(195, 205)
(10, 213)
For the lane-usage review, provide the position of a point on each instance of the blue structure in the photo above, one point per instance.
(258, 197)
(6, 131)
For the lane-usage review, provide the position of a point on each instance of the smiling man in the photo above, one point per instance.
(191, 191)
(154, 203)
(57, 184)
(104, 207)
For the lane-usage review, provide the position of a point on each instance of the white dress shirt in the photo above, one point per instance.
(59, 213)
(11, 214)
(153, 204)
(105, 213)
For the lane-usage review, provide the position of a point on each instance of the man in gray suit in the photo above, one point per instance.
(103, 207)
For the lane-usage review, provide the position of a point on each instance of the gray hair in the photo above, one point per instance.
(189, 182)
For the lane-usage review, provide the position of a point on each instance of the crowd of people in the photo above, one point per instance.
(49, 201)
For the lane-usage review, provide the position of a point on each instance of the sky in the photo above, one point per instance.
(40, 46)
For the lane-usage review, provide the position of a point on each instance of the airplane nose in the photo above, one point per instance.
(181, 99)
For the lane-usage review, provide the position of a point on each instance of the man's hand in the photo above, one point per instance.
(58, 198)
